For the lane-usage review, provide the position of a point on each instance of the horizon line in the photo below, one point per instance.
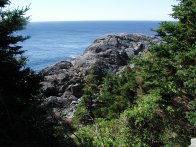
(98, 20)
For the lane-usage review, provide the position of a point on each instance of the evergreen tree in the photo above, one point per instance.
(116, 94)
(169, 68)
(22, 123)
(85, 110)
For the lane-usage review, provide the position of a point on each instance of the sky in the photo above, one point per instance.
(84, 10)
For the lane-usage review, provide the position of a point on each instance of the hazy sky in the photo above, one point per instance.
(68, 10)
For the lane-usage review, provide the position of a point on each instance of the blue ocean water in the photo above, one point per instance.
(52, 42)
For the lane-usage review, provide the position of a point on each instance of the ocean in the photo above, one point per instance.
(52, 42)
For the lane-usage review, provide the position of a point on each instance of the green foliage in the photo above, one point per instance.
(154, 102)
(106, 98)
(113, 133)
(85, 110)
(145, 108)
(23, 121)
(152, 123)
(169, 67)
(191, 115)
(143, 120)
(115, 96)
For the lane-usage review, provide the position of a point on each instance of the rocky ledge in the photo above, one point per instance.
(64, 81)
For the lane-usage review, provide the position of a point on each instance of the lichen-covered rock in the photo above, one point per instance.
(110, 52)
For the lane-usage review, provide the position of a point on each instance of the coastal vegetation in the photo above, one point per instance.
(151, 103)
(23, 121)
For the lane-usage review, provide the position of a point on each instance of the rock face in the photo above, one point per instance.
(112, 51)
(64, 81)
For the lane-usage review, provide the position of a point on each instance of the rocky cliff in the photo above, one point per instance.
(64, 81)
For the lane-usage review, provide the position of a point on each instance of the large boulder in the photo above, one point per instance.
(64, 81)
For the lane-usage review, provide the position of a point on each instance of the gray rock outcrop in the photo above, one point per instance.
(64, 81)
